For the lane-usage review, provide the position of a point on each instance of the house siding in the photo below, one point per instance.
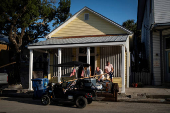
(162, 11)
(94, 26)
(74, 54)
(156, 58)
(148, 21)
(113, 54)
(3, 47)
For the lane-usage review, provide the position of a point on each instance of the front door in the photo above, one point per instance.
(92, 62)
(168, 66)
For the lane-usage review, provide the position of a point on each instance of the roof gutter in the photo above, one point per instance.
(161, 24)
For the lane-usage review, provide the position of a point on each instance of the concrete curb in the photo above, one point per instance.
(145, 100)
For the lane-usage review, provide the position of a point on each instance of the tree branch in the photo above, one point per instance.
(40, 24)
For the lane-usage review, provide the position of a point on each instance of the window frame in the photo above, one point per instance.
(85, 16)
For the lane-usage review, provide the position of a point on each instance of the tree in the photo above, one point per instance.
(136, 49)
(28, 19)
(24, 21)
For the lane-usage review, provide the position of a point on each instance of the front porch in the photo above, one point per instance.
(95, 54)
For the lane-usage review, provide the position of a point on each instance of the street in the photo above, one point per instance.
(27, 105)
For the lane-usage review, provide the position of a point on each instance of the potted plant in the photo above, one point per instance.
(140, 84)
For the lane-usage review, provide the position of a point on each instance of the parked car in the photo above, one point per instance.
(77, 94)
(78, 91)
(3, 79)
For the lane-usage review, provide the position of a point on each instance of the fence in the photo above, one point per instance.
(143, 77)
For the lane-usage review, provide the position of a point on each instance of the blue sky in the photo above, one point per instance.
(116, 10)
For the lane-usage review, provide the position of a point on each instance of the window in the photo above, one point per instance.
(86, 16)
(84, 50)
(167, 43)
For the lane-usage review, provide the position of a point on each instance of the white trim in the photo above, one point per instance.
(128, 61)
(49, 66)
(59, 62)
(123, 69)
(95, 64)
(30, 69)
(88, 59)
(74, 16)
(77, 45)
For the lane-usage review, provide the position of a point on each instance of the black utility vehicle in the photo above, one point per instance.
(77, 91)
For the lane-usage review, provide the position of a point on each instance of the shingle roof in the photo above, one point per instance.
(4, 39)
(85, 40)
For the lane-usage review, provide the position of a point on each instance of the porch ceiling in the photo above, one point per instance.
(79, 42)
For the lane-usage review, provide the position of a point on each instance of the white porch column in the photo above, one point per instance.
(49, 77)
(30, 69)
(128, 63)
(88, 58)
(59, 62)
(123, 69)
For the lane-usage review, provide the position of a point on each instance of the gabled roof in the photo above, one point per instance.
(4, 39)
(76, 14)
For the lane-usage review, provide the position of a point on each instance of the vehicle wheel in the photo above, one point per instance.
(81, 102)
(45, 100)
(89, 101)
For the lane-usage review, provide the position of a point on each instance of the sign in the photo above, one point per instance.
(156, 62)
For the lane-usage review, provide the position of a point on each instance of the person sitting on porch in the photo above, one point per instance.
(98, 71)
(109, 69)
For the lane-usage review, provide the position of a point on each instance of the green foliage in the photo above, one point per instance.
(26, 20)
(136, 47)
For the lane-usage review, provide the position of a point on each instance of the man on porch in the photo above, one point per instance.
(98, 72)
(109, 69)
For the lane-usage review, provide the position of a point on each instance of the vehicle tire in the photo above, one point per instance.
(45, 100)
(89, 101)
(81, 102)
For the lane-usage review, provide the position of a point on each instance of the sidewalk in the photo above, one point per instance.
(155, 94)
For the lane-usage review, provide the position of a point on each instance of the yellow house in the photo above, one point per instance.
(88, 37)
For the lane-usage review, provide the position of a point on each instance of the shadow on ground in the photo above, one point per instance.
(38, 102)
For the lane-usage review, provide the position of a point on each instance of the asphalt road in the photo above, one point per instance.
(27, 105)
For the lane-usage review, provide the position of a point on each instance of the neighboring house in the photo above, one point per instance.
(88, 37)
(154, 21)
(4, 50)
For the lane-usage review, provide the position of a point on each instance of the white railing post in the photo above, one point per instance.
(30, 69)
(123, 69)
(59, 62)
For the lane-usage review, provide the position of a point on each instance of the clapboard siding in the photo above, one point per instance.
(162, 11)
(114, 55)
(73, 54)
(94, 26)
(156, 50)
